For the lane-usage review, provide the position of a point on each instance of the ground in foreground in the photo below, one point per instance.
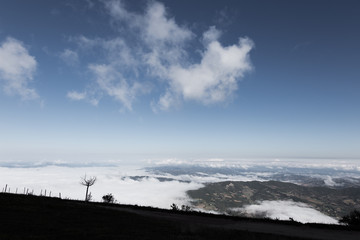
(32, 217)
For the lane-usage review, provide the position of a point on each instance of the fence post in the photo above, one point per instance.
(5, 188)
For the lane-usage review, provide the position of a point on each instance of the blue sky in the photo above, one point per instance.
(123, 80)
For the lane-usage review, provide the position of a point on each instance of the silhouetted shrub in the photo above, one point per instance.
(174, 207)
(352, 219)
(108, 198)
(185, 208)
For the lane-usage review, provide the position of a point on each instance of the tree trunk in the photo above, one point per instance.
(86, 196)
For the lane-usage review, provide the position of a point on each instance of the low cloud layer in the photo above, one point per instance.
(17, 68)
(164, 183)
(316, 165)
(283, 210)
(157, 48)
(148, 191)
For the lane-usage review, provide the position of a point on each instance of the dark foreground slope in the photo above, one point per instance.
(31, 217)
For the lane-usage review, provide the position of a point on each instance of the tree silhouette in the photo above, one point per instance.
(87, 182)
(352, 219)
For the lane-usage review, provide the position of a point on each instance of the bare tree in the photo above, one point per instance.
(87, 182)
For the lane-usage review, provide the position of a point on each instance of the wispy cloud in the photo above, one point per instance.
(156, 47)
(114, 84)
(90, 97)
(109, 78)
(70, 57)
(17, 68)
(76, 95)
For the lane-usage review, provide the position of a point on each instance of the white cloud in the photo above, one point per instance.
(211, 35)
(115, 85)
(161, 28)
(120, 55)
(70, 57)
(165, 42)
(215, 78)
(17, 68)
(152, 192)
(90, 96)
(153, 26)
(115, 50)
(284, 210)
(330, 182)
(73, 95)
(117, 10)
(109, 77)
(85, 42)
(165, 102)
(160, 38)
(146, 192)
(155, 47)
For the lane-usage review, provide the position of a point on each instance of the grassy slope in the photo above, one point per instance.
(32, 217)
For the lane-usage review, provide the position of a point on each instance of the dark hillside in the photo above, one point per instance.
(32, 217)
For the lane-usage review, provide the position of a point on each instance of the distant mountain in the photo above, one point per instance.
(222, 196)
(161, 179)
(319, 177)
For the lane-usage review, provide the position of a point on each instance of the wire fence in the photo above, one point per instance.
(28, 191)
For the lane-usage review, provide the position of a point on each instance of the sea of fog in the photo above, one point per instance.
(159, 183)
